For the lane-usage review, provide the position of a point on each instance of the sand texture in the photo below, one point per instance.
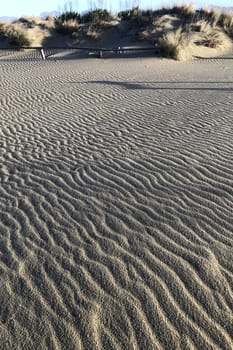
(116, 203)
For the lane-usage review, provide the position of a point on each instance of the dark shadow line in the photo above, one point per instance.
(108, 82)
(213, 58)
(138, 86)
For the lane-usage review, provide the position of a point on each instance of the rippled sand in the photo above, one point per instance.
(116, 204)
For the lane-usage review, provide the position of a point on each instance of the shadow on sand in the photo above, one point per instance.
(168, 85)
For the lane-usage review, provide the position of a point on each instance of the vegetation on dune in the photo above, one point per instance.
(170, 29)
(67, 22)
(172, 42)
(225, 21)
(89, 23)
(96, 16)
(16, 36)
(131, 14)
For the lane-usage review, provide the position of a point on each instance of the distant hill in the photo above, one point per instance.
(42, 15)
(7, 19)
(222, 8)
(49, 13)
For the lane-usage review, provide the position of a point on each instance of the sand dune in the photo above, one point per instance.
(116, 204)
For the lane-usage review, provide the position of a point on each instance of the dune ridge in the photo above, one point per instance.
(116, 204)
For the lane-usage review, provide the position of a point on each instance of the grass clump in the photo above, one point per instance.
(71, 22)
(144, 35)
(67, 16)
(213, 38)
(226, 22)
(67, 22)
(128, 15)
(172, 43)
(96, 16)
(94, 32)
(185, 11)
(3, 30)
(18, 37)
(26, 22)
(67, 27)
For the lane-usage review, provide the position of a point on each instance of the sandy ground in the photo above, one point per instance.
(116, 204)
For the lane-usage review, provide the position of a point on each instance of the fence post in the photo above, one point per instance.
(119, 49)
(42, 54)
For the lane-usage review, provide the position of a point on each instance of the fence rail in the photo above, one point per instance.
(100, 51)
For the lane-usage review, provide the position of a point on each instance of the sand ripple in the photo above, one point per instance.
(116, 204)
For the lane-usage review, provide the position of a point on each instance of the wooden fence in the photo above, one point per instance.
(99, 51)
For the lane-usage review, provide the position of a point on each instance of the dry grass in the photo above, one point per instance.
(30, 31)
(94, 33)
(226, 22)
(130, 14)
(18, 37)
(212, 38)
(15, 34)
(3, 29)
(96, 16)
(144, 35)
(173, 43)
(184, 10)
(68, 26)
(202, 26)
(215, 17)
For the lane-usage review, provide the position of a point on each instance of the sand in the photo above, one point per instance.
(116, 203)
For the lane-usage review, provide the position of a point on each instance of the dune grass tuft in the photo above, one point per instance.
(18, 37)
(172, 42)
(67, 22)
(96, 16)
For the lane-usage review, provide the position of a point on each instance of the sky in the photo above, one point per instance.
(20, 8)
